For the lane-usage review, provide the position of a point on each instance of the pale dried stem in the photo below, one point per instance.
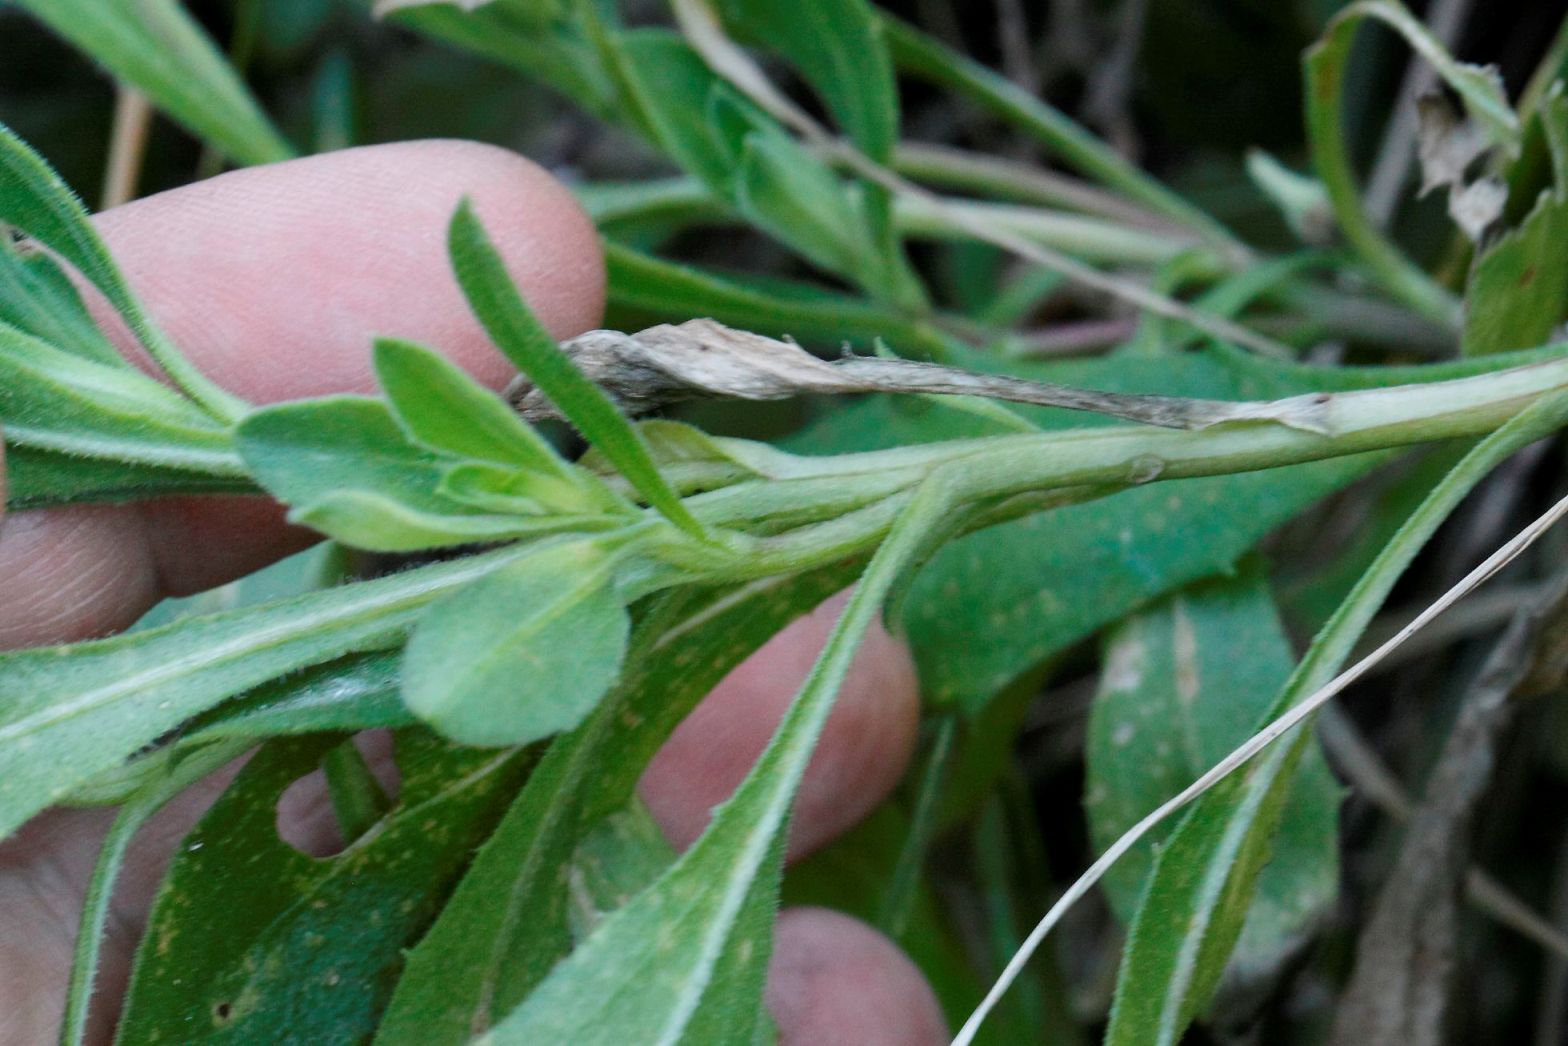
(127, 146)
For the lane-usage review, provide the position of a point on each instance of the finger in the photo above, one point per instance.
(274, 280)
(46, 866)
(44, 871)
(834, 981)
(866, 742)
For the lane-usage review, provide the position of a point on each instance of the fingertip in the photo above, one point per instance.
(276, 279)
(865, 745)
(833, 980)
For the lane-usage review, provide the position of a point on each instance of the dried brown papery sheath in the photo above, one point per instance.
(702, 358)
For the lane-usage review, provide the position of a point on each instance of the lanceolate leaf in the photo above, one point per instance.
(541, 39)
(37, 298)
(524, 653)
(252, 941)
(68, 713)
(1325, 69)
(1518, 290)
(41, 478)
(1203, 881)
(51, 399)
(746, 159)
(303, 452)
(837, 46)
(36, 201)
(154, 45)
(692, 945)
(517, 333)
(444, 409)
(357, 692)
(1183, 684)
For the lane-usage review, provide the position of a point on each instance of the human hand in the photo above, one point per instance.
(274, 280)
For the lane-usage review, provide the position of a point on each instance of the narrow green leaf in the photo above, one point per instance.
(51, 399)
(68, 713)
(448, 412)
(654, 288)
(358, 692)
(1518, 289)
(251, 941)
(838, 48)
(541, 39)
(36, 201)
(1324, 67)
(381, 523)
(774, 185)
(305, 451)
(904, 879)
(157, 47)
(654, 969)
(524, 653)
(495, 300)
(1192, 912)
(42, 478)
(1183, 684)
(748, 160)
(38, 298)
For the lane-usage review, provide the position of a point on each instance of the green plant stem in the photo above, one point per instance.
(1324, 69)
(1118, 238)
(1329, 425)
(1090, 238)
(920, 55)
(830, 509)
(358, 801)
(1002, 179)
(898, 897)
(1317, 310)
(111, 855)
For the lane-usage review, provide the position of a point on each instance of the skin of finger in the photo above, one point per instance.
(834, 981)
(274, 280)
(866, 743)
(44, 871)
